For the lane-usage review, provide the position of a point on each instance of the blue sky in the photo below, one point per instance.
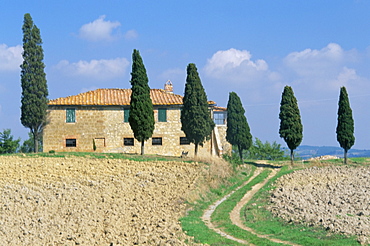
(254, 48)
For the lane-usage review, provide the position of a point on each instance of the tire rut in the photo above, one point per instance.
(235, 213)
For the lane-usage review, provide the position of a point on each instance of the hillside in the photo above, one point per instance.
(89, 201)
(306, 151)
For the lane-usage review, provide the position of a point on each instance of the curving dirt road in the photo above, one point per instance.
(235, 213)
(209, 211)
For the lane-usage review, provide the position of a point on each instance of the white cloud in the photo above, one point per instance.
(95, 69)
(332, 51)
(345, 76)
(321, 70)
(10, 57)
(235, 65)
(131, 34)
(99, 30)
(309, 62)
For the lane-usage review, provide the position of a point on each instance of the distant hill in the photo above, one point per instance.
(306, 151)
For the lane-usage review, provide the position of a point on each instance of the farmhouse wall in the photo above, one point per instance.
(225, 145)
(105, 126)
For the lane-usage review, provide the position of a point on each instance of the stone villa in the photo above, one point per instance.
(75, 123)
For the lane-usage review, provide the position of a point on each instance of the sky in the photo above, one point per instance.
(253, 48)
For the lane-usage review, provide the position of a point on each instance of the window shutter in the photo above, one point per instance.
(162, 115)
(70, 115)
(126, 114)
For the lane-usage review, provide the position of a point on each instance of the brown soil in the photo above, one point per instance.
(81, 201)
(336, 198)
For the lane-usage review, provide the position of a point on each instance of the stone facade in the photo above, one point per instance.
(105, 128)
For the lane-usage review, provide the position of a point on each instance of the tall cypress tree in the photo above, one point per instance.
(345, 128)
(33, 81)
(238, 131)
(291, 128)
(195, 117)
(141, 116)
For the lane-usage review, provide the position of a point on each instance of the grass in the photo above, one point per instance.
(133, 157)
(261, 220)
(192, 223)
(362, 161)
(222, 219)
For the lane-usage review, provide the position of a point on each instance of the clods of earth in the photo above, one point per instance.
(335, 197)
(86, 201)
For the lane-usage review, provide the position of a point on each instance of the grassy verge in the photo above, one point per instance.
(222, 219)
(192, 223)
(260, 219)
(133, 157)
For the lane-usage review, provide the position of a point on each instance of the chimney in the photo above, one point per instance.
(168, 86)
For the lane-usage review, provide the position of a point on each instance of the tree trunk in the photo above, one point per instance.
(291, 157)
(35, 142)
(196, 150)
(142, 147)
(240, 153)
(345, 156)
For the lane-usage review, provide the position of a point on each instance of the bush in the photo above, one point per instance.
(265, 151)
(7, 143)
(234, 159)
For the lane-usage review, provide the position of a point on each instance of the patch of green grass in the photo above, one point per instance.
(260, 219)
(350, 161)
(221, 215)
(192, 222)
(133, 157)
(194, 226)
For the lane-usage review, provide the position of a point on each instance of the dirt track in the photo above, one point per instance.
(235, 213)
(81, 201)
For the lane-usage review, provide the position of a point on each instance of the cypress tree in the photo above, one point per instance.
(141, 116)
(291, 129)
(195, 117)
(345, 128)
(33, 81)
(238, 131)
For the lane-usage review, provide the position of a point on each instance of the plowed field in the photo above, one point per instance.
(87, 201)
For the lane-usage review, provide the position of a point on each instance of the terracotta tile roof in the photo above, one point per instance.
(117, 97)
(216, 108)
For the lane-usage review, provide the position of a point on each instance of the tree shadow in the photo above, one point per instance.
(265, 165)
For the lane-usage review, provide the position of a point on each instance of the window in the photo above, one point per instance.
(184, 141)
(99, 142)
(70, 115)
(162, 115)
(126, 114)
(219, 118)
(128, 141)
(71, 142)
(156, 141)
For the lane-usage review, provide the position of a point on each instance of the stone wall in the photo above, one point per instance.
(226, 146)
(105, 125)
